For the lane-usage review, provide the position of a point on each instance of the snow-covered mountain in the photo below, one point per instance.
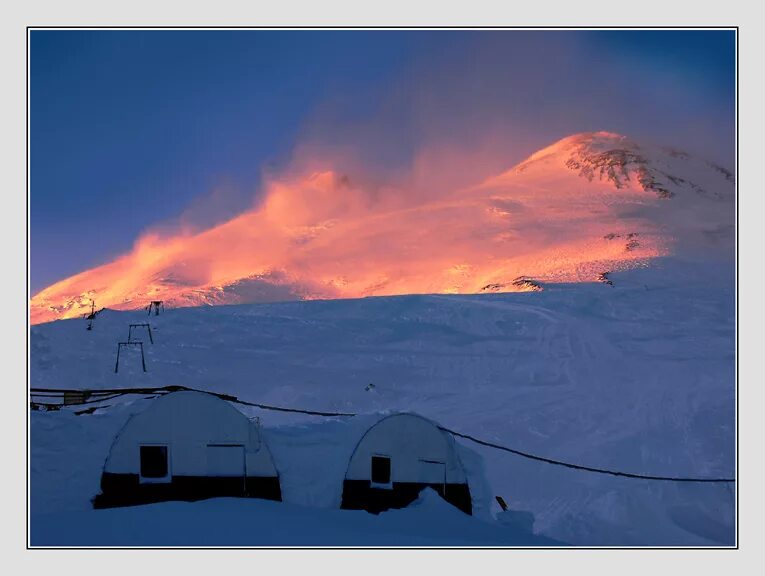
(579, 306)
(637, 376)
(589, 204)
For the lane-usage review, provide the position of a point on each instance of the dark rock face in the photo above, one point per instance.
(524, 283)
(615, 166)
(727, 173)
(648, 182)
(612, 165)
(621, 161)
(615, 159)
(527, 284)
(631, 243)
(603, 277)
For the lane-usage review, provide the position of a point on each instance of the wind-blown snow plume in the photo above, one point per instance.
(588, 204)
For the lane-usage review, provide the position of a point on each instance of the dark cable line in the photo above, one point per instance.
(282, 409)
(110, 393)
(585, 468)
(114, 392)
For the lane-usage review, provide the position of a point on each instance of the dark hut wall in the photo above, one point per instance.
(361, 495)
(128, 490)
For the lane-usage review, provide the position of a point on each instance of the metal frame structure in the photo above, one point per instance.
(130, 331)
(155, 305)
(120, 345)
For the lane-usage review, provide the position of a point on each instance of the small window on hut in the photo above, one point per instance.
(380, 470)
(154, 462)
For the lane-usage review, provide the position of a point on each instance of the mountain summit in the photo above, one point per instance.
(587, 205)
(619, 160)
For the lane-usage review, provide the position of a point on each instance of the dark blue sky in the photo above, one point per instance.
(129, 129)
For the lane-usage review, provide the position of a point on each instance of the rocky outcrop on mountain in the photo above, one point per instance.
(603, 277)
(620, 161)
(631, 241)
(520, 284)
(526, 284)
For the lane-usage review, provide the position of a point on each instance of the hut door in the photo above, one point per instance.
(226, 468)
(433, 473)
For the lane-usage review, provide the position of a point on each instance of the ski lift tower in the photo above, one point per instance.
(156, 305)
(92, 314)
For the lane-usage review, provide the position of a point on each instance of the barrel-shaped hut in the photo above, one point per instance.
(399, 456)
(187, 446)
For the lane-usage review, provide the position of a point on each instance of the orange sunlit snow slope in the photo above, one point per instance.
(587, 204)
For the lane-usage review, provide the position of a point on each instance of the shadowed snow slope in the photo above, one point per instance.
(429, 521)
(637, 376)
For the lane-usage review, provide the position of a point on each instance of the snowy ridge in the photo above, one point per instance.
(620, 161)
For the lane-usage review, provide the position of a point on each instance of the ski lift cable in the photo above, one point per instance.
(114, 392)
(586, 468)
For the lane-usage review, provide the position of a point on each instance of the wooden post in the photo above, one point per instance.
(143, 360)
(117, 365)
